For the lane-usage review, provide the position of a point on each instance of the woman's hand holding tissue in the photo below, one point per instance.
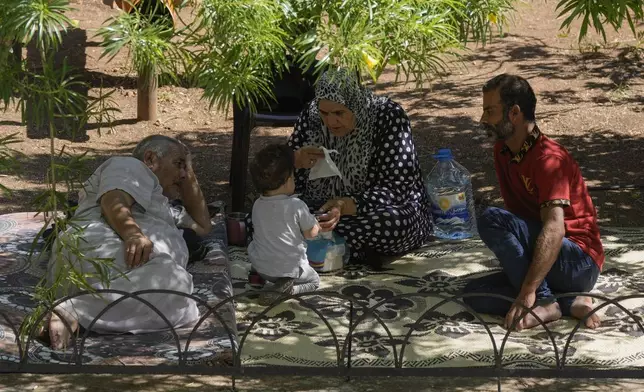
(306, 157)
(333, 210)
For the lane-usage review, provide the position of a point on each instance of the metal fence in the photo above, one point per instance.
(343, 354)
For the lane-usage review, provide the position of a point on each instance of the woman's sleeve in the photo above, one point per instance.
(298, 139)
(394, 169)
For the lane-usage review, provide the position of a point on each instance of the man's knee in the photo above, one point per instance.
(474, 286)
(490, 219)
(476, 295)
(470, 299)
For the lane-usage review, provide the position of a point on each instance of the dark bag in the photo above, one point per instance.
(196, 249)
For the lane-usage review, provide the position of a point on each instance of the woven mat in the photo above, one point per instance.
(292, 333)
(18, 275)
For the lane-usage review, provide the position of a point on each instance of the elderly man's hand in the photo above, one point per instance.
(194, 201)
(137, 250)
(189, 168)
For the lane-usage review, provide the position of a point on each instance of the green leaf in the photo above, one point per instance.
(584, 26)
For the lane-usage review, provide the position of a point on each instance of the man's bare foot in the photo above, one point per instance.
(59, 334)
(581, 307)
(547, 314)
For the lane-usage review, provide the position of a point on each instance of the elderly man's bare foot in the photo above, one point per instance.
(42, 332)
(547, 314)
(581, 307)
(59, 334)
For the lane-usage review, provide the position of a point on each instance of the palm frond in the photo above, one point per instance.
(8, 161)
(416, 36)
(43, 21)
(598, 14)
(240, 65)
(151, 43)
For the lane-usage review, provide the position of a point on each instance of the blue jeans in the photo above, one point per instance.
(512, 240)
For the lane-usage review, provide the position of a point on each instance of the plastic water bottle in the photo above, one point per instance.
(449, 186)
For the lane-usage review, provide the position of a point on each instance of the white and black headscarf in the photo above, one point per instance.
(354, 149)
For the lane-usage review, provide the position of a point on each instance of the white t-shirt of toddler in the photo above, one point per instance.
(278, 247)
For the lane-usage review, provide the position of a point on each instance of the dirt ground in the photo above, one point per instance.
(590, 97)
(142, 383)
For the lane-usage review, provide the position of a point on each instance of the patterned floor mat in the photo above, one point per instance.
(18, 275)
(449, 336)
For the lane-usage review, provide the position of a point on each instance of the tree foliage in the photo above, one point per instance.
(49, 93)
(601, 13)
(151, 41)
(264, 37)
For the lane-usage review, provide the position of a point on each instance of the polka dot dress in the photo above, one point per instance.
(380, 169)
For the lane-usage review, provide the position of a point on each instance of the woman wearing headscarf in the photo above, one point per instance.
(379, 205)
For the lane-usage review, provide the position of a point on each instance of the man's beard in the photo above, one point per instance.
(501, 131)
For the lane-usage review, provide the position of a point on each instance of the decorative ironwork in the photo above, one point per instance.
(343, 355)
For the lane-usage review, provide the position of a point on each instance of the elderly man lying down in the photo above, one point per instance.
(126, 216)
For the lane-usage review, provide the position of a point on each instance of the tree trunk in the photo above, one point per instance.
(147, 96)
(17, 51)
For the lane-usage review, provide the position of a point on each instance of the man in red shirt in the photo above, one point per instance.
(547, 240)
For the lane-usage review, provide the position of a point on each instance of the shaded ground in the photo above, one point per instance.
(590, 97)
(142, 383)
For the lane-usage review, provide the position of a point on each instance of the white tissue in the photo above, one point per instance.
(325, 167)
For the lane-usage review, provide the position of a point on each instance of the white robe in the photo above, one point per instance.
(166, 268)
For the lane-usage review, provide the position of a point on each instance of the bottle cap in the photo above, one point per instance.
(444, 154)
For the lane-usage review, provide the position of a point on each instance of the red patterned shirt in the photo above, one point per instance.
(544, 174)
